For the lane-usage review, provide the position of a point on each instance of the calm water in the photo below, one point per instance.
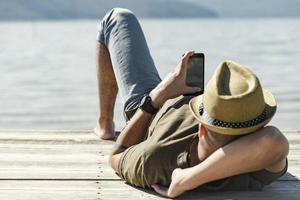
(47, 69)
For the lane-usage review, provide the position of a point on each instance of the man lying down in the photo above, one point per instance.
(215, 141)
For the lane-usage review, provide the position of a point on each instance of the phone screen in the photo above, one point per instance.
(195, 71)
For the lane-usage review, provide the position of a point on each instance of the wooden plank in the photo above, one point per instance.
(54, 155)
(37, 190)
(49, 162)
(51, 137)
(54, 148)
(58, 174)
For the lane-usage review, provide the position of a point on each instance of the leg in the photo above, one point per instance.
(107, 91)
(129, 57)
(265, 149)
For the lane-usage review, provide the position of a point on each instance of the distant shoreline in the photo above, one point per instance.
(151, 18)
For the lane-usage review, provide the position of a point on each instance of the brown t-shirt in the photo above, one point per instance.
(165, 147)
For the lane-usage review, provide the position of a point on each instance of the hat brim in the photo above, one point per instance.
(270, 104)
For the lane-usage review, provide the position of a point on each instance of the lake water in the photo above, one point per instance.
(47, 69)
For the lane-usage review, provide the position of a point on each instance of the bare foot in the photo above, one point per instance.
(105, 129)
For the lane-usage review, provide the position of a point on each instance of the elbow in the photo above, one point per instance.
(277, 142)
(113, 161)
(114, 157)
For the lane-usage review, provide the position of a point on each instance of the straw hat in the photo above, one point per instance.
(233, 102)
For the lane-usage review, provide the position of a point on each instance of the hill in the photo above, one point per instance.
(74, 9)
(251, 8)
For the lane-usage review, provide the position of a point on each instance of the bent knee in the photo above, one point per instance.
(275, 141)
(114, 18)
(117, 14)
(122, 14)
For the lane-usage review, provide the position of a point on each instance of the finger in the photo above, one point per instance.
(187, 55)
(184, 60)
(160, 189)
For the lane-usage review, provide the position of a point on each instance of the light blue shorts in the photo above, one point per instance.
(133, 65)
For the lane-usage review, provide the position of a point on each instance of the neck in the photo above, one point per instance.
(200, 149)
(206, 146)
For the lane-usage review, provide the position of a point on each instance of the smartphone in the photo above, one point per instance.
(195, 72)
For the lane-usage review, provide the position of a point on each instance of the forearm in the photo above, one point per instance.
(246, 154)
(217, 166)
(224, 162)
(136, 129)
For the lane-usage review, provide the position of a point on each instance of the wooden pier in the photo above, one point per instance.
(41, 165)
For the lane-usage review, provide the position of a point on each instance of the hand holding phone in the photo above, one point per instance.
(195, 72)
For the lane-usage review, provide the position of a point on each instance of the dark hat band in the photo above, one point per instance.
(219, 123)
